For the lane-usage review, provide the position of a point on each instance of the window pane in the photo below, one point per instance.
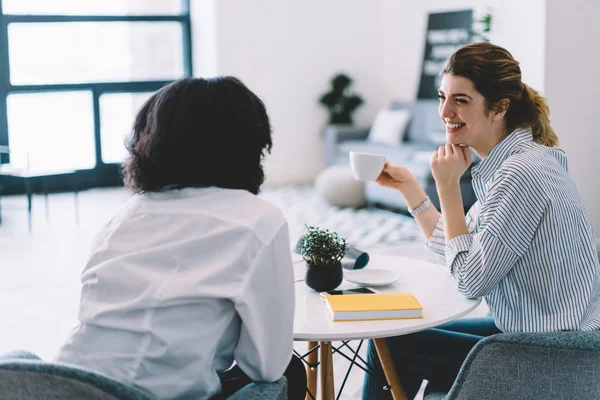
(91, 7)
(117, 112)
(51, 130)
(77, 52)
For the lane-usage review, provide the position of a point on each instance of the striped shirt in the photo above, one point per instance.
(530, 250)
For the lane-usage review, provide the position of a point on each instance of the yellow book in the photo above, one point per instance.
(354, 307)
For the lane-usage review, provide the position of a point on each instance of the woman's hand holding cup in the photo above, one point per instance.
(375, 167)
(399, 178)
(394, 176)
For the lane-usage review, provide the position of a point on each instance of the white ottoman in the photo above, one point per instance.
(338, 186)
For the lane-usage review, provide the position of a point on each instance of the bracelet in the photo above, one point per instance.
(420, 208)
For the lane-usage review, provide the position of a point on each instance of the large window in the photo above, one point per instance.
(73, 74)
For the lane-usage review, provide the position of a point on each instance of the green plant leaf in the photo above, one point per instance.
(321, 247)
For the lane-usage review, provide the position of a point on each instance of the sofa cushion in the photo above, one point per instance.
(425, 125)
(389, 127)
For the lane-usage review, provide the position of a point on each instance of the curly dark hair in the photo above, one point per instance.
(198, 132)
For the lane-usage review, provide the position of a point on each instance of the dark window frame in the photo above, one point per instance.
(103, 174)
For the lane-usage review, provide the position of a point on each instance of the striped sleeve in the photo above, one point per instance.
(437, 241)
(512, 212)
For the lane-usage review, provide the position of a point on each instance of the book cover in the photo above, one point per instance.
(354, 307)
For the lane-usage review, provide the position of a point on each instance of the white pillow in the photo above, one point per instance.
(389, 127)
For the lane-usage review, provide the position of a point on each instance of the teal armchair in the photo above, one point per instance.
(557, 365)
(25, 377)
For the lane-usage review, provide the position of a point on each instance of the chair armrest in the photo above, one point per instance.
(531, 365)
(269, 391)
(334, 134)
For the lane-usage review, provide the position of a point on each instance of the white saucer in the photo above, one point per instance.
(371, 276)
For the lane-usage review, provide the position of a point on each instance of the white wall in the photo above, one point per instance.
(287, 50)
(517, 25)
(572, 85)
(204, 37)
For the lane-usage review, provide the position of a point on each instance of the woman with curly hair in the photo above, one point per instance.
(180, 283)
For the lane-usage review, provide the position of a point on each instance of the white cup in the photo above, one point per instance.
(366, 166)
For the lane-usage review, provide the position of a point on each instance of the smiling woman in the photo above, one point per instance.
(526, 246)
(489, 99)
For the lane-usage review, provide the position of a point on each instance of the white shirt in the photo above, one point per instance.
(181, 283)
(530, 250)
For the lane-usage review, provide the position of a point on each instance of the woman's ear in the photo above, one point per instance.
(500, 109)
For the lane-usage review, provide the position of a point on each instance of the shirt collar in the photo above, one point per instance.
(187, 192)
(485, 170)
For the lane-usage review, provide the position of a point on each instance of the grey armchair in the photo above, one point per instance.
(558, 365)
(25, 379)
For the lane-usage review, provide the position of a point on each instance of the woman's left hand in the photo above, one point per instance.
(449, 163)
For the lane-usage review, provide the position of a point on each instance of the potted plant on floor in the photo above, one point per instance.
(322, 251)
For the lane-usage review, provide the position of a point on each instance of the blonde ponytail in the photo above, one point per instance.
(533, 112)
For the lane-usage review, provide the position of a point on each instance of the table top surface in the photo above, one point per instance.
(430, 283)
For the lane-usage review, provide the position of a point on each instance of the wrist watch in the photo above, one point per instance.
(420, 208)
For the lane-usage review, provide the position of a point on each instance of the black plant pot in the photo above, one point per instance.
(323, 278)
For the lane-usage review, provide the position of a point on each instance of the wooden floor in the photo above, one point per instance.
(40, 265)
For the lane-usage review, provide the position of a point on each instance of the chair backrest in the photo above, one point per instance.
(26, 379)
(555, 365)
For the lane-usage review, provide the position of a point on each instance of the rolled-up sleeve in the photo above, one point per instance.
(437, 241)
(509, 218)
(478, 262)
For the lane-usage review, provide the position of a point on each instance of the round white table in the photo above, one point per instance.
(430, 283)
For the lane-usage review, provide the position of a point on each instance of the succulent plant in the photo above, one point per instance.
(320, 247)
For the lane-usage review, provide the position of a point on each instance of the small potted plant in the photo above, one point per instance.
(339, 101)
(323, 252)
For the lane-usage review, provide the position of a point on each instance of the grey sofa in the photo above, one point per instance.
(25, 377)
(424, 133)
(558, 365)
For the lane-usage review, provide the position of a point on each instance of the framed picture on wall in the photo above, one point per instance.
(446, 32)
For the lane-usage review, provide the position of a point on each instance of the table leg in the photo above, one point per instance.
(326, 369)
(389, 369)
(29, 192)
(45, 188)
(311, 370)
(1, 188)
(75, 184)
